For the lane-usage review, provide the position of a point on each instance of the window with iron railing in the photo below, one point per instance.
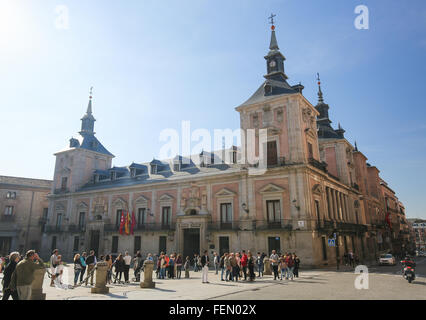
(8, 211)
(273, 208)
(226, 214)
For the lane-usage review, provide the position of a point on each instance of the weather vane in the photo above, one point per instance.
(318, 78)
(272, 18)
(91, 91)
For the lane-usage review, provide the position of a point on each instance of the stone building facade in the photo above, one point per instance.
(418, 230)
(314, 188)
(23, 205)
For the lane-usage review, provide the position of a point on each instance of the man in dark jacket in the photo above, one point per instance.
(91, 263)
(8, 271)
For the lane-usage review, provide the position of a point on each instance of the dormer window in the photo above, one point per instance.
(153, 169)
(113, 175)
(133, 172)
(268, 89)
(176, 166)
(11, 195)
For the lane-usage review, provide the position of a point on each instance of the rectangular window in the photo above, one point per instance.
(53, 247)
(317, 209)
(76, 244)
(11, 195)
(141, 216)
(272, 154)
(8, 211)
(58, 220)
(114, 247)
(137, 245)
(82, 219)
(226, 212)
(162, 244)
(273, 209)
(165, 216)
(118, 217)
(324, 248)
(64, 183)
(45, 212)
(310, 151)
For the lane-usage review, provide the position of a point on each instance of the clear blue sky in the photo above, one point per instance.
(155, 63)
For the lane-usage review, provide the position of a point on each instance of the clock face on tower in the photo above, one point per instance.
(272, 63)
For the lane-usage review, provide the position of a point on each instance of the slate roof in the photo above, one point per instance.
(88, 141)
(279, 88)
(164, 173)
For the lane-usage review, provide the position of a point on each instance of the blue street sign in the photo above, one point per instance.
(331, 242)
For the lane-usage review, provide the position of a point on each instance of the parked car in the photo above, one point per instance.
(387, 259)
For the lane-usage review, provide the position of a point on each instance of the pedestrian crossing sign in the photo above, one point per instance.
(331, 242)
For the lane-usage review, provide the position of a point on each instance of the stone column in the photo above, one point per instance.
(267, 266)
(37, 285)
(148, 268)
(101, 278)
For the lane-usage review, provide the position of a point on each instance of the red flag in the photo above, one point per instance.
(133, 222)
(388, 220)
(122, 222)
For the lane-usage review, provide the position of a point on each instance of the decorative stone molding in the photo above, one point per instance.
(271, 188)
(225, 193)
(317, 189)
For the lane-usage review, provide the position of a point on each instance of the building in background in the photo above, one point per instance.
(23, 205)
(419, 233)
(318, 197)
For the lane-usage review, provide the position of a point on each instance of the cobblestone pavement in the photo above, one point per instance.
(384, 283)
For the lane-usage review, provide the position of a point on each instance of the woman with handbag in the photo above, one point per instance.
(77, 268)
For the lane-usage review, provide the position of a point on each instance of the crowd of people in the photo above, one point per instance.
(18, 271)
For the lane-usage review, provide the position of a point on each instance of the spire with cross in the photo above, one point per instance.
(320, 97)
(271, 18)
(88, 121)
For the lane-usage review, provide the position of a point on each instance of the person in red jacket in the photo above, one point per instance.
(290, 266)
(244, 264)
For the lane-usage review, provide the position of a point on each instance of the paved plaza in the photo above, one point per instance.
(384, 283)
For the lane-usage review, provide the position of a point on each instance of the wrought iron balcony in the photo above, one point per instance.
(218, 225)
(8, 218)
(141, 227)
(281, 224)
(77, 228)
(54, 229)
(61, 191)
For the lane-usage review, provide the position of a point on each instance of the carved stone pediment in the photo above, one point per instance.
(59, 207)
(269, 188)
(317, 189)
(165, 197)
(82, 206)
(141, 200)
(120, 203)
(225, 192)
(65, 170)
